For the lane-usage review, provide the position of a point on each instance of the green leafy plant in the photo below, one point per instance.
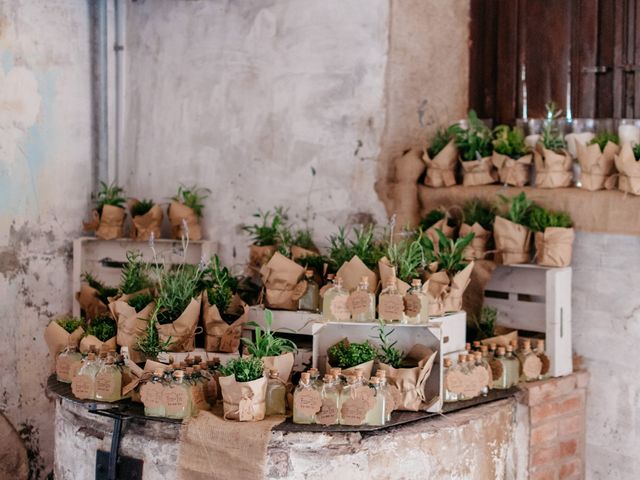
(540, 218)
(176, 289)
(388, 353)
(313, 262)
(138, 302)
(345, 354)
(102, 327)
(636, 151)
(431, 218)
(364, 244)
(269, 231)
(149, 342)
(134, 275)
(266, 344)
(141, 207)
(109, 195)
(602, 138)
(303, 238)
(104, 292)
(408, 257)
(440, 140)
(552, 138)
(474, 140)
(450, 255)
(479, 211)
(70, 324)
(220, 284)
(193, 197)
(509, 141)
(487, 324)
(245, 369)
(518, 208)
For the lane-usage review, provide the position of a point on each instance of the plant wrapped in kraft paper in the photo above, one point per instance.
(597, 160)
(265, 237)
(553, 162)
(275, 352)
(100, 335)
(474, 146)
(109, 214)
(628, 164)
(478, 217)
(405, 261)
(553, 235)
(147, 219)
(511, 232)
(62, 332)
(511, 156)
(244, 389)
(439, 219)
(185, 212)
(351, 357)
(441, 158)
(94, 297)
(283, 282)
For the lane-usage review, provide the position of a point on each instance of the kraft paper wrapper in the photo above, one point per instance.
(366, 367)
(282, 363)
(233, 392)
(145, 225)
(433, 235)
(258, 258)
(177, 212)
(446, 293)
(554, 247)
(111, 223)
(411, 381)
(131, 324)
(478, 172)
(596, 166)
(434, 288)
(89, 302)
(299, 252)
(511, 171)
(280, 277)
(477, 249)
(352, 271)
(387, 273)
(90, 341)
(441, 170)
(58, 338)
(629, 168)
(183, 330)
(409, 167)
(503, 338)
(513, 242)
(220, 336)
(473, 297)
(459, 283)
(553, 170)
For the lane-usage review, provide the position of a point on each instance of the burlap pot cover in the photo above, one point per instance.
(478, 172)
(179, 214)
(243, 401)
(511, 171)
(99, 346)
(477, 249)
(147, 224)
(411, 381)
(220, 336)
(57, 338)
(131, 324)
(629, 168)
(596, 166)
(513, 242)
(441, 170)
(111, 223)
(553, 170)
(281, 277)
(351, 273)
(182, 331)
(554, 247)
(282, 363)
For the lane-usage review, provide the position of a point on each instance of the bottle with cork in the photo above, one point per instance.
(329, 413)
(83, 385)
(513, 367)
(177, 397)
(109, 381)
(334, 303)
(500, 380)
(391, 303)
(310, 299)
(66, 363)
(449, 395)
(377, 415)
(276, 403)
(151, 394)
(416, 304)
(304, 397)
(363, 303)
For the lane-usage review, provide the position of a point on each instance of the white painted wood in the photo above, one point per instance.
(454, 331)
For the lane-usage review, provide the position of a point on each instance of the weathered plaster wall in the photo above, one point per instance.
(45, 177)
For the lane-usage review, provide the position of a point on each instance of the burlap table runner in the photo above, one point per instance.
(212, 448)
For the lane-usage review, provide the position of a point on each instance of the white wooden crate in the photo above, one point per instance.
(538, 299)
(104, 258)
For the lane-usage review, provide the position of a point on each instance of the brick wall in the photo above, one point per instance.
(556, 426)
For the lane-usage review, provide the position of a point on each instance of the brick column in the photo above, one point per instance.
(556, 426)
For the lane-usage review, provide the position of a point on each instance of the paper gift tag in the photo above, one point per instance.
(365, 395)
(307, 402)
(532, 366)
(63, 365)
(546, 363)
(339, 308)
(245, 410)
(105, 384)
(151, 394)
(454, 381)
(353, 412)
(470, 387)
(412, 305)
(175, 400)
(496, 369)
(391, 307)
(82, 387)
(359, 302)
(328, 414)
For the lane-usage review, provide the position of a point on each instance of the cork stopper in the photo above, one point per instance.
(447, 362)
(196, 368)
(461, 357)
(526, 345)
(501, 350)
(351, 379)
(514, 343)
(273, 373)
(509, 348)
(189, 370)
(109, 360)
(374, 381)
(484, 349)
(467, 346)
(204, 365)
(305, 377)
(477, 356)
(328, 378)
(330, 276)
(158, 372)
(476, 344)
(540, 344)
(416, 282)
(178, 374)
(338, 281)
(308, 273)
(364, 279)
(359, 373)
(381, 374)
(313, 371)
(493, 347)
(336, 372)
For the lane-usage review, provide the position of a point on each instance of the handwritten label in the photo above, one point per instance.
(105, 385)
(470, 386)
(497, 369)
(412, 305)
(175, 400)
(307, 402)
(63, 364)
(454, 381)
(151, 394)
(359, 302)
(328, 414)
(74, 368)
(364, 394)
(245, 410)
(82, 387)
(391, 307)
(531, 367)
(353, 412)
(340, 309)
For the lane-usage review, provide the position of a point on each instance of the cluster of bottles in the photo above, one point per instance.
(337, 399)
(485, 367)
(340, 305)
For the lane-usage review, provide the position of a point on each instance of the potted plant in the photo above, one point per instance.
(441, 157)
(100, 334)
(108, 214)
(552, 161)
(185, 212)
(475, 148)
(147, 219)
(628, 164)
(405, 260)
(439, 219)
(511, 232)
(94, 297)
(511, 155)
(350, 356)
(244, 389)
(477, 218)
(597, 160)
(553, 237)
(264, 238)
(66, 330)
(355, 257)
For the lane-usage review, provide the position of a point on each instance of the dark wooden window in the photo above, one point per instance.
(583, 54)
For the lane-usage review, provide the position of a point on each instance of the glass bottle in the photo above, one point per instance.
(501, 382)
(109, 381)
(449, 396)
(389, 401)
(476, 346)
(391, 304)
(330, 401)
(368, 315)
(304, 388)
(89, 369)
(334, 304)
(152, 397)
(514, 366)
(315, 377)
(377, 415)
(483, 364)
(276, 403)
(66, 363)
(328, 285)
(492, 349)
(310, 300)
(346, 400)
(539, 351)
(339, 378)
(416, 316)
(486, 360)
(177, 397)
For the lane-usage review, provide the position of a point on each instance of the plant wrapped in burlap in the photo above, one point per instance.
(554, 246)
(132, 325)
(629, 168)
(478, 172)
(596, 165)
(445, 290)
(477, 249)
(411, 381)
(283, 282)
(57, 338)
(184, 221)
(182, 331)
(513, 242)
(441, 169)
(243, 401)
(109, 225)
(351, 273)
(219, 335)
(148, 224)
(512, 171)
(553, 170)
